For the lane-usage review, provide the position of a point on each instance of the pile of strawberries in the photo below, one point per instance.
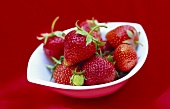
(82, 58)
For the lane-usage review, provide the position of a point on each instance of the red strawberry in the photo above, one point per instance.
(67, 75)
(79, 45)
(87, 25)
(125, 57)
(53, 42)
(123, 34)
(98, 70)
(62, 74)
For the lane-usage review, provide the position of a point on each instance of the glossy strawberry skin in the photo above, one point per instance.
(98, 71)
(116, 36)
(54, 47)
(125, 57)
(75, 49)
(62, 74)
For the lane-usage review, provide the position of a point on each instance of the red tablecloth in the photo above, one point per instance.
(22, 20)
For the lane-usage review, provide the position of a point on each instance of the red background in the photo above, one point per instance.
(22, 20)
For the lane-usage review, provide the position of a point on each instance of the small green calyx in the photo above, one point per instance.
(45, 36)
(58, 34)
(77, 78)
(110, 58)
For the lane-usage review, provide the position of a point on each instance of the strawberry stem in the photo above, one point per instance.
(89, 37)
(77, 25)
(137, 42)
(53, 24)
(96, 28)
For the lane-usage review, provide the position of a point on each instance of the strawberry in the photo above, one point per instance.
(62, 74)
(123, 34)
(67, 75)
(87, 25)
(53, 42)
(98, 70)
(79, 45)
(125, 57)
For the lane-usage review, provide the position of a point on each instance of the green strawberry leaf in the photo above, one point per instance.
(88, 39)
(129, 33)
(52, 70)
(61, 58)
(96, 53)
(84, 33)
(58, 34)
(110, 58)
(99, 43)
(137, 42)
(50, 66)
(45, 34)
(56, 61)
(128, 41)
(106, 53)
(99, 53)
(91, 27)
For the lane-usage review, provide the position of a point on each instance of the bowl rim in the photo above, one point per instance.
(62, 86)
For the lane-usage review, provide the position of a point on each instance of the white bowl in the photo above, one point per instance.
(39, 74)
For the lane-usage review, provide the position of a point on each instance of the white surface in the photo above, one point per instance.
(39, 74)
